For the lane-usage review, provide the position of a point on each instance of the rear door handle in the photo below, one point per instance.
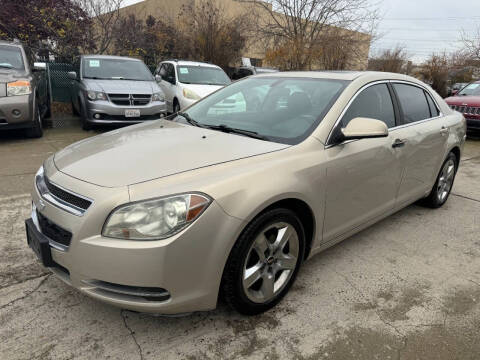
(444, 130)
(398, 143)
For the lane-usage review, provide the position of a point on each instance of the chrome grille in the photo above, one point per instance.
(130, 99)
(67, 196)
(470, 110)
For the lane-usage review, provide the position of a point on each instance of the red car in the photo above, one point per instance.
(467, 101)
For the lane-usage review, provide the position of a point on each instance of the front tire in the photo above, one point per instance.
(83, 117)
(264, 262)
(36, 131)
(444, 183)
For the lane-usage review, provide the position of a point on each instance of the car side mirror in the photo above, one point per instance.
(364, 128)
(158, 78)
(39, 66)
(72, 75)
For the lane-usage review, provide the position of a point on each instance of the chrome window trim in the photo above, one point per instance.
(366, 86)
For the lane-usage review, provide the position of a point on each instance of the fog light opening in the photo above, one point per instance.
(97, 116)
(16, 112)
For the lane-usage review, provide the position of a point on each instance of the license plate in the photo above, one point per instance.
(132, 113)
(39, 244)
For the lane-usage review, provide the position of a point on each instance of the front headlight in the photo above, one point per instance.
(189, 94)
(158, 97)
(96, 95)
(155, 219)
(21, 87)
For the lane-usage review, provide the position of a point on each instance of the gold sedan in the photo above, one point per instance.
(230, 196)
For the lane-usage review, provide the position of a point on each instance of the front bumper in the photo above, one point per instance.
(105, 112)
(184, 102)
(16, 111)
(186, 268)
(473, 122)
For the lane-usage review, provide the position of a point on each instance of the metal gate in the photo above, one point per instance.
(59, 82)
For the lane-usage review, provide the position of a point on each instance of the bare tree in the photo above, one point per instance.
(105, 16)
(435, 71)
(390, 60)
(295, 29)
(210, 34)
(471, 44)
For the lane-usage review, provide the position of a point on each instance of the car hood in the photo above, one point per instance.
(7, 75)
(152, 150)
(202, 90)
(463, 100)
(122, 86)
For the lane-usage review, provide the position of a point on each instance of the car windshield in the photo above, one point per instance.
(470, 90)
(284, 110)
(205, 75)
(123, 69)
(11, 58)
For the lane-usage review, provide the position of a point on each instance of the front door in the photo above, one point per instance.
(363, 176)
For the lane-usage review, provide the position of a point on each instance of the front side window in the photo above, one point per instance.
(374, 102)
(470, 90)
(204, 75)
(11, 58)
(413, 102)
(115, 69)
(284, 110)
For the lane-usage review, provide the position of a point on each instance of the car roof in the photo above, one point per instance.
(109, 57)
(191, 63)
(342, 75)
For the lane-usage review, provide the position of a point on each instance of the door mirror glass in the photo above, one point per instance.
(364, 128)
(158, 78)
(72, 75)
(39, 66)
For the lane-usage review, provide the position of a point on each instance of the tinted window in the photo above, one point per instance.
(125, 69)
(284, 110)
(170, 72)
(413, 102)
(375, 103)
(433, 108)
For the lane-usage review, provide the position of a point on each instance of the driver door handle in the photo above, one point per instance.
(444, 130)
(398, 143)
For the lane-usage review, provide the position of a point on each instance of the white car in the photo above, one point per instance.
(186, 82)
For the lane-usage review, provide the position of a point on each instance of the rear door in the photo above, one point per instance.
(363, 176)
(421, 141)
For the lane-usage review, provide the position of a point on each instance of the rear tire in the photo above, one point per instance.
(83, 117)
(444, 183)
(36, 131)
(264, 262)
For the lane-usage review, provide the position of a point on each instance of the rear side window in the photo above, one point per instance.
(413, 102)
(375, 103)
(433, 108)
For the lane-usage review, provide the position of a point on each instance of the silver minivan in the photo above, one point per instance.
(114, 90)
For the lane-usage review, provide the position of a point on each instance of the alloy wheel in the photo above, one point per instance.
(445, 181)
(270, 262)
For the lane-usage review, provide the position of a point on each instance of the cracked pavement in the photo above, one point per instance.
(406, 288)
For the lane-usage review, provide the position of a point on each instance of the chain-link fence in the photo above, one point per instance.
(59, 82)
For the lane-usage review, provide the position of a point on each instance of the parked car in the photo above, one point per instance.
(244, 71)
(467, 101)
(115, 90)
(165, 216)
(186, 82)
(456, 88)
(24, 97)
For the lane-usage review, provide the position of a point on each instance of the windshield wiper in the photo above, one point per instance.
(95, 78)
(228, 129)
(6, 66)
(190, 120)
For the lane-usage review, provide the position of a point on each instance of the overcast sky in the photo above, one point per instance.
(422, 26)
